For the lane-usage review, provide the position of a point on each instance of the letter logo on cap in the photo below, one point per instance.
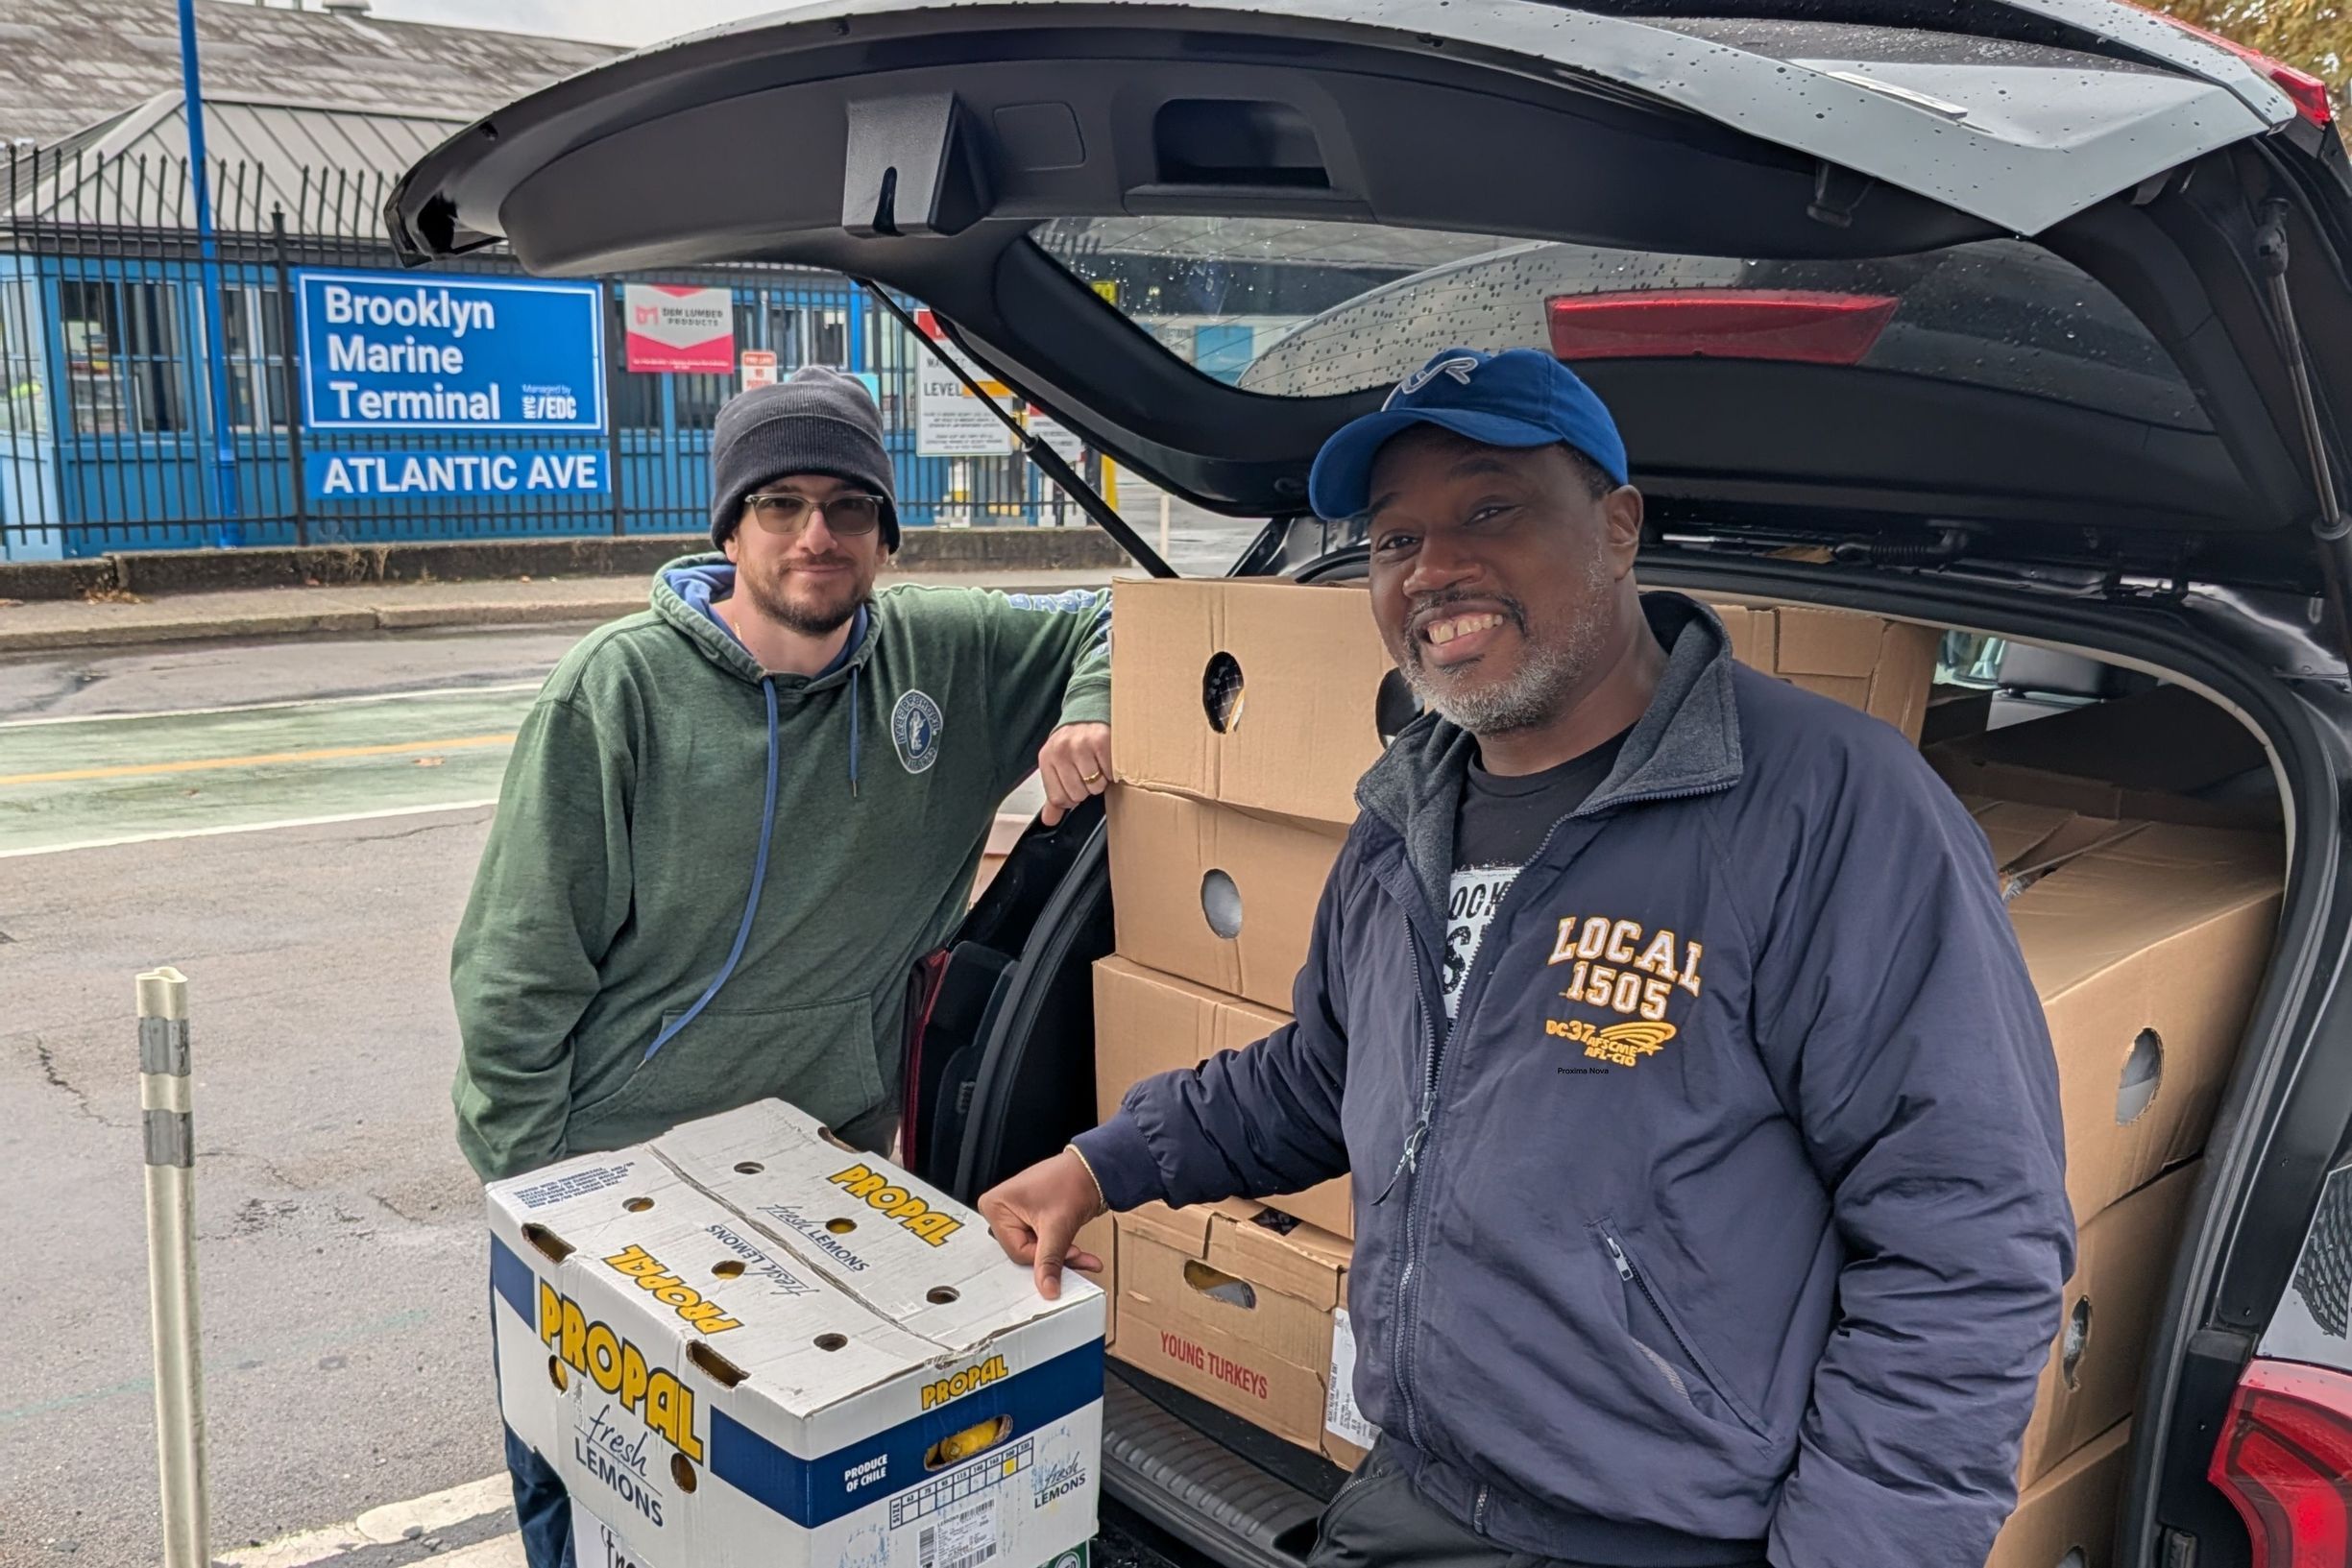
(1459, 368)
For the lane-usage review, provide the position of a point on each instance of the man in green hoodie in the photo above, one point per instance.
(733, 822)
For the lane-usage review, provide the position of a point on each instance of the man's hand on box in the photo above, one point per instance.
(1036, 1215)
(1075, 763)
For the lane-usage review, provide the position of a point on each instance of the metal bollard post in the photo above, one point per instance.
(171, 1264)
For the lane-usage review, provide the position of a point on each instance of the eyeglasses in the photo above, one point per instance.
(784, 513)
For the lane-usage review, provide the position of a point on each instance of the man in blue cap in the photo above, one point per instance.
(1706, 1159)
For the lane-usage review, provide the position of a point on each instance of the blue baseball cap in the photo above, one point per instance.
(1519, 397)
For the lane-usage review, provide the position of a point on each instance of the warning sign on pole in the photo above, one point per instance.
(1068, 443)
(757, 367)
(949, 421)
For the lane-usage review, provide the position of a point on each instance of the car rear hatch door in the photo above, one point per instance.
(988, 159)
(2033, 244)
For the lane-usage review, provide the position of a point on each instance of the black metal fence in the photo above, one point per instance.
(111, 435)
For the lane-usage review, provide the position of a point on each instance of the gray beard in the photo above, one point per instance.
(1533, 696)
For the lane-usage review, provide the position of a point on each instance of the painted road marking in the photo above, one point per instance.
(248, 828)
(395, 1522)
(140, 777)
(200, 764)
(498, 690)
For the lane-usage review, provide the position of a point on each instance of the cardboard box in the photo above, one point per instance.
(1883, 668)
(2070, 1511)
(1227, 1304)
(1099, 1236)
(743, 1344)
(2124, 1258)
(2146, 953)
(2031, 841)
(1220, 897)
(1254, 692)
(1146, 1023)
(2147, 757)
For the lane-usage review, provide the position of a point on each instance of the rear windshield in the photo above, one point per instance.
(1305, 309)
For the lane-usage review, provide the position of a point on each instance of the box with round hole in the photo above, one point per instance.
(537, 1222)
(2122, 1260)
(2146, 952)
(2066, 1519)
(1147, 1023)
(1214, 894)
(1259, 693)
(746, 1343)
(1233, 1303)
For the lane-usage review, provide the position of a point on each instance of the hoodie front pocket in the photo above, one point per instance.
(819, 1058)
(1658, 1336)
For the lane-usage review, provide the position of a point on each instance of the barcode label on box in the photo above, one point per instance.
(1341, 1417)
(960, 1540)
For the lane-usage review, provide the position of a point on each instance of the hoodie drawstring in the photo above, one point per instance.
(758, 871)
(853, 732)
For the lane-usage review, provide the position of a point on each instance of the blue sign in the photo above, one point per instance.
(408, 352)
(357, 477)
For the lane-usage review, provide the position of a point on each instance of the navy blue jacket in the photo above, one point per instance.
(1732, 1205)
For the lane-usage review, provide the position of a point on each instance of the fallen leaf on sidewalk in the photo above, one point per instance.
(431, 761)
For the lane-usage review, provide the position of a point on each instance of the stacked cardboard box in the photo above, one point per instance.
(1245, 714)
(1245, 711)
(741, 1344)
(2146, 941)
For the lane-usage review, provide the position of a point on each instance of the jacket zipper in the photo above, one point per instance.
(1406, 1164)
(1478, 1510)
(1417, 1141)
(1424, 1130)
(1633, 1276)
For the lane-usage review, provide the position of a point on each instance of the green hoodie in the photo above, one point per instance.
(613, 883)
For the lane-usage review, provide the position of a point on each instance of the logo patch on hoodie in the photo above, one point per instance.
(914, 730)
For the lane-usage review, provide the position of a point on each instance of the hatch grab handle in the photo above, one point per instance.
(1049, 461)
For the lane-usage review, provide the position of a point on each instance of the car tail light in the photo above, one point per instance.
(1809, 328)
(2309, 93)
(2284, 1461)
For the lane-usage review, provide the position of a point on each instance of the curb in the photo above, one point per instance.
(343, 622)
(342, 616)
(159, 574)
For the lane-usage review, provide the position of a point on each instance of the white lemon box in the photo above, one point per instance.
(743, 1343)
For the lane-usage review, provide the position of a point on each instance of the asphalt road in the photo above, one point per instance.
(342, 1257)
(341, 1261)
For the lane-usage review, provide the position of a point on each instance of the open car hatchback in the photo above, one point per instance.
(2030, 319)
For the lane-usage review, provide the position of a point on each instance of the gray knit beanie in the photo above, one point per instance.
(817, 421)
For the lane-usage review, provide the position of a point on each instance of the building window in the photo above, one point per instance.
(125, 371)
(257, 371)
(808, 335)
(24, 397)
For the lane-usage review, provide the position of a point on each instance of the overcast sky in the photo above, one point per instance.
(606, 21)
